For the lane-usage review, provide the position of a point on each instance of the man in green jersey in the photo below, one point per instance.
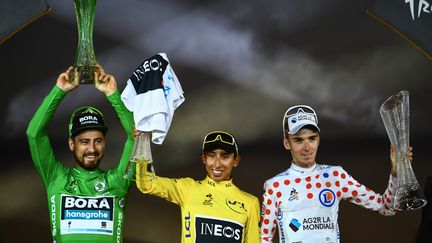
(212, 209)
(86, 204)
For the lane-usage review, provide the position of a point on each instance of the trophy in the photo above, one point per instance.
(395, 115)
(85, 59)
(141, 154)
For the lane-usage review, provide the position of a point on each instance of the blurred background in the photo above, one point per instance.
(241, 65)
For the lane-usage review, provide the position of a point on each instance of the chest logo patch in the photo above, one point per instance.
(327, 197)
(236, 206)
(214, 230)
(294, 225)
(209, 200)
(293, 195)
(93, 215)
(99, 186)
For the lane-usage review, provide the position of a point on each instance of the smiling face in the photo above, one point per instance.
(303, 147)
(219, 164)
(88, 148)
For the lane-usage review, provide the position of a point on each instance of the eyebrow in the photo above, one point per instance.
(89, 139)
(297, 138)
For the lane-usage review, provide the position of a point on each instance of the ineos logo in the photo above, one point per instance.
(220, 230)
(212, 230)
(153, 64)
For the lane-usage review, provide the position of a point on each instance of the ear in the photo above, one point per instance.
(286, 144)
(71, 144)
(236, 161)
(203, 158)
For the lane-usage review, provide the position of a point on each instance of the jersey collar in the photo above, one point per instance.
(209, 181)
(300, 170)
(78, 171)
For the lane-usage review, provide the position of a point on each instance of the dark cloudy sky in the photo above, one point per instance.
(241, 65)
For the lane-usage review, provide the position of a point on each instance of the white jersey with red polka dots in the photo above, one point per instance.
(304, 203)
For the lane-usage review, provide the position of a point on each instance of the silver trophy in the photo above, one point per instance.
(141, 154)
(395, 115)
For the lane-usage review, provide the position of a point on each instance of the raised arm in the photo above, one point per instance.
(107, 84)
(40, 146)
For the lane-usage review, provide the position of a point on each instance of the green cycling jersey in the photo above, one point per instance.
(84, 206)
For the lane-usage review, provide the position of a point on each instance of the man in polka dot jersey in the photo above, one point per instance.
(303, 201)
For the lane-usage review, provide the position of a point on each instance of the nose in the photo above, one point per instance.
(218, 161)
(91, 147)
(307, 145)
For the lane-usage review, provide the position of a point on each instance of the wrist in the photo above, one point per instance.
(110, 92)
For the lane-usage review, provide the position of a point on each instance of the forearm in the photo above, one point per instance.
(387, 208)
(126, 120)
(39, 123)
(365, 197)
(170, 189)
(125, 116)
(145, 176)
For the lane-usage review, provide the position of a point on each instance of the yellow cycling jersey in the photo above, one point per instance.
(211, 211)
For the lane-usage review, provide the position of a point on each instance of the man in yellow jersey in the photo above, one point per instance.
(212, 209)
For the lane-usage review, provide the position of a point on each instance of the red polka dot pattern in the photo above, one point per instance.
(304, 191)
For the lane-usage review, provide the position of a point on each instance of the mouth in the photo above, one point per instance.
(217, 172)
(91, 157)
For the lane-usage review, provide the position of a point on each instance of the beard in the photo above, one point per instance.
(89, 165)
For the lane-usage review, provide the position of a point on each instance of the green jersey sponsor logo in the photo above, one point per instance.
(80, 215)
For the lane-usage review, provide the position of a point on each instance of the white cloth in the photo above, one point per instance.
(153, 93)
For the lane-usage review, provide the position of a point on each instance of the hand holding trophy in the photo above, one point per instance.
(395, 115)
(141, 153)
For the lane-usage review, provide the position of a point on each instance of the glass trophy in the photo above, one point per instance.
(395, 115)
(141, 154)
(85, 59)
